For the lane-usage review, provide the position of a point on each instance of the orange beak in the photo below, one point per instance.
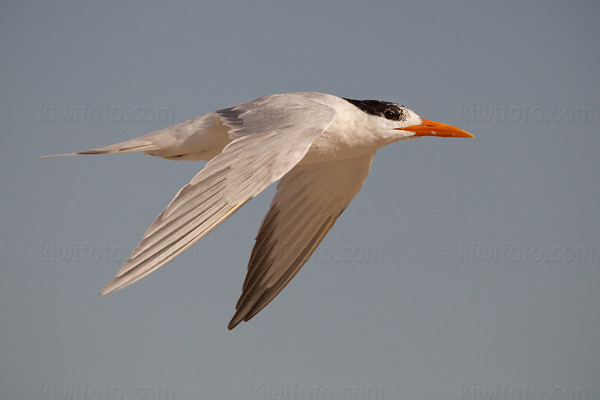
(432, 128)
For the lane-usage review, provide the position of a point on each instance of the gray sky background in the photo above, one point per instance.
(400, 298)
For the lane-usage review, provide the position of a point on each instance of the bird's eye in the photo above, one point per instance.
(389, 114)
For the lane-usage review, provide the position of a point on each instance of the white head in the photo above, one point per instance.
(403, 123)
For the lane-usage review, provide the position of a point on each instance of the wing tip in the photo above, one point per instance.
(235, 321)
(112, 286)
(107, 289)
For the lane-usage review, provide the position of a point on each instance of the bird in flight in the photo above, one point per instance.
(320, 148)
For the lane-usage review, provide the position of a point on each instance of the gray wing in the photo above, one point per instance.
(270, 136)
(308, 201)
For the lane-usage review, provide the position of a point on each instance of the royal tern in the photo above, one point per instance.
(318, 145)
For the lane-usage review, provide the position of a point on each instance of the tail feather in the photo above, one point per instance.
(129, 146)
(197, 139)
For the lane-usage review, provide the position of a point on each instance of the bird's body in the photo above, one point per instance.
(319, 145)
